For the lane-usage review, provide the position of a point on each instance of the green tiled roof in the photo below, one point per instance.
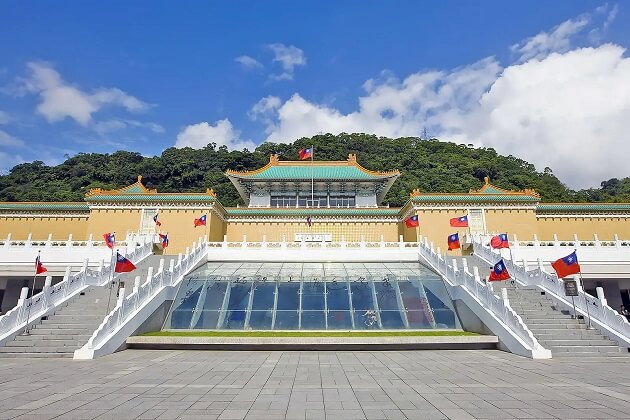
(311, 212)
(473, 198)
(585, 207)
(45, 206)
(334, 172)
(133, 189)
(136, 198)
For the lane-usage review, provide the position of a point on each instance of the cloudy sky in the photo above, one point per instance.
(545, 81)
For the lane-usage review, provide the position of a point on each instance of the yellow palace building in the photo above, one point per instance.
(341, 199)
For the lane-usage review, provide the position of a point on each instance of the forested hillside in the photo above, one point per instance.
(430, 165)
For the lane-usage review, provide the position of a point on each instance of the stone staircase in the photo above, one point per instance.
(73, 325)
(556, 330)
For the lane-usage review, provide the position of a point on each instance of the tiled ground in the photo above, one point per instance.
(317, 385)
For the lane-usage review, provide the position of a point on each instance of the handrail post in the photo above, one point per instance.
(69, 243)
(7, 244)
(171, 269)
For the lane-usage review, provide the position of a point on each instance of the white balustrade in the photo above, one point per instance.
(603, 317)
(154, 284)
(51, 297)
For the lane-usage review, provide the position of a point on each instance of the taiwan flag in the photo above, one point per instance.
(306, 153)
(499, 272)
(164, 240)
(123, 265)
(155, 219)
(110, 240)
(459, 221)
(567, 265)
(453, 242)
(412, 221)
(39, 267)
(500, 241)
(201, 221)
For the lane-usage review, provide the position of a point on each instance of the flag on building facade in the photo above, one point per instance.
(412, 221)
(499, 272)
(164, 240)
(123, 265)
(155, 219)
(110, 240)
(39, 267)
(201, 221)
(500, 241)
(459, 221)
(309, 221)
(566, 266)
(306, 153)
(453, 242)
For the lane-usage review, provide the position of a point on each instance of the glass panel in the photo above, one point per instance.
(214, 295)
(419, 319)
(337, 295)
(366, 320)
(207, 320)
(313, 320)
(386, 294)
(445, 318)
(185, 302)
(410, 294)
(392, 320)
(313, 296)
(339, 320)
(286, 320)
(234, 320)
(179, 320)
(263, 296)
(260, 320)
(362, 298)
(288, 296)
(239, 295)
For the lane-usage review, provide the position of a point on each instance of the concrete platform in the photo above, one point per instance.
(474, 342)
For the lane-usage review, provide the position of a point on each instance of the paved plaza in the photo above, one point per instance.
(143, 384)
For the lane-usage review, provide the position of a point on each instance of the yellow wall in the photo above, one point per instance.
(519, 222)
(41, 227)
(275, 231)
(584, 227)
(179, 224)
(120, 221)
(435, 226)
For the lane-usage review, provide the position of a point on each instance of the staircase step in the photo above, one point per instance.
(41, 330)
(37, 349)
(566, 354)
(46, 343)
(586, 349)
(37, 355)
(578, 342)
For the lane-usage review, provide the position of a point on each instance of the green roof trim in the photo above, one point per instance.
(474, 198)
(142, 198)
(583, 207)
(45, 206)
(319, 172)
(311, 212)
(133, 189)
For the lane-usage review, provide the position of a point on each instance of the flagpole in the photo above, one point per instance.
(588, 312)
(112, 267)
(312, 177)
(28, 315)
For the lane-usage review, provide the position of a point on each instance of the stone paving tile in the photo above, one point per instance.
(314, 385)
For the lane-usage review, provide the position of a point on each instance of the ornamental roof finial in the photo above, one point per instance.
(486, 180)
(415, 192)
(352, 158)
(273, 159)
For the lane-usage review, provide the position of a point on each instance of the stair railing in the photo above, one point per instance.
(480, 291)
(51, 297)
(602, 316)
(127, 306)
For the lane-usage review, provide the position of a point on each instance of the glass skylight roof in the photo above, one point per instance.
(312, 296)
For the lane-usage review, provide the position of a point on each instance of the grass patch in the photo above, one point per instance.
(307, 333)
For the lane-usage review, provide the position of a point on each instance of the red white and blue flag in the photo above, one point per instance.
(566, 266)
(500, 241)
(499, 272)
(412, 221)
(39, 267)
(459, 221)
(110, 240)
(164, 240)
(453, 241)
(201, 221)
(155, 219)
(306, 153)
(123, 265)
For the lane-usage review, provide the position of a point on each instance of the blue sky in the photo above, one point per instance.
(144, 76)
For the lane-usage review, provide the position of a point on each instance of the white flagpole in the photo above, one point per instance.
(28, 316)
(312, 177)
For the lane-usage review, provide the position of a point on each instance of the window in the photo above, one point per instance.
(342, 201)
(283, 201)
(476, 221)
(148, 225)
(315, 201)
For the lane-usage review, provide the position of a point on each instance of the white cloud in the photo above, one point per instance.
(8, 140)
(289, 57)
(105, 127)
(558, 40)
(248, 62)
(60, 100)
(222, 133)
(9, 160)
(5, 118)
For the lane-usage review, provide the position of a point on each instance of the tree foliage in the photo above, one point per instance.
(430, 165)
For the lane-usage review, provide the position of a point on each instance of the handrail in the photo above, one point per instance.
(602, 316)
(51, 297)
(128, 305)
(480, 291)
